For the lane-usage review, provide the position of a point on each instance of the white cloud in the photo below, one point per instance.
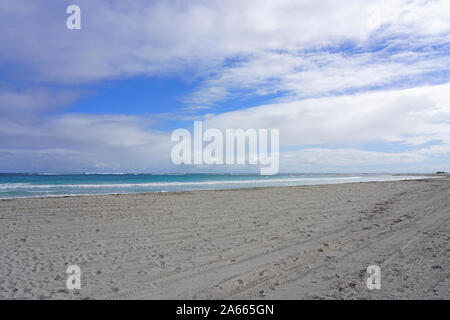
(390, 116)
(75, 142)
(417, 120)
(299, 75)
(354, 160)
(347, 157)
(140, 37)
(409, 118)
(30, 102)
(252, 47)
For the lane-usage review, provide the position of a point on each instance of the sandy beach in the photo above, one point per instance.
(307, 242)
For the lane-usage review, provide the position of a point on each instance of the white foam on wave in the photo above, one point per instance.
(164, 184)
(4, 186)
(114, 188)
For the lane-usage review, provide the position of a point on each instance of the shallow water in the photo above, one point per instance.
(32, 185)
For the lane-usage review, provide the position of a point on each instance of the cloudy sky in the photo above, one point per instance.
(353, 86)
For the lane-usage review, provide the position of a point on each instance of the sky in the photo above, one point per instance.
(353, 86)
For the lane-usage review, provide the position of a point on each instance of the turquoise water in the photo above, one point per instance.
(32, 185)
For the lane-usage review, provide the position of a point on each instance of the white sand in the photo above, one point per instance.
(289, 242)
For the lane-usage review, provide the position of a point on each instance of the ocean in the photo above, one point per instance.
(38, 185)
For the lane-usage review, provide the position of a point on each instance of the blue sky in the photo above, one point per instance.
(352, 86)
